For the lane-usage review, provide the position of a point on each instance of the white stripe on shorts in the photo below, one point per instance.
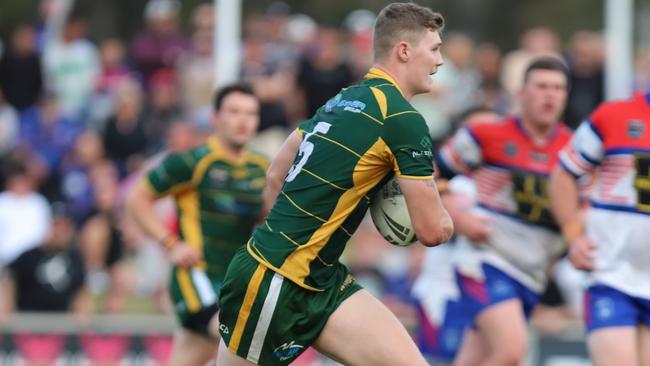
(265, 319)
(203, 287)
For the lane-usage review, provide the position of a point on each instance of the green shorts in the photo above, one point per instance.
(269, 320)
(194, 294)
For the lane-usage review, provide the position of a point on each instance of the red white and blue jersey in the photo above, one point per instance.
(616, 140)
(511, 174)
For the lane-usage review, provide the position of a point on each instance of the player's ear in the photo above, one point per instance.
(403, 51)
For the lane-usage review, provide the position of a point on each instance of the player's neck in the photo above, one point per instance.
(228, 148)
(539, 133)
(396, 73)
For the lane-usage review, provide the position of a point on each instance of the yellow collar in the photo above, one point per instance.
(376, 72)
(217, 148)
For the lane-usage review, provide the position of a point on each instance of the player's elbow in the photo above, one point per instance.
(435, 234)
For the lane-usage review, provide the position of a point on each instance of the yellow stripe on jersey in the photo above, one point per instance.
(372, 118)
(338, 144)
(187, 290)
(204, 164)
(323, 179)
(376, 72)
(247, 305)
(368, 171)
(255, 253)
(381, 101)
(190, 221)
(302, 209)
(415, 177)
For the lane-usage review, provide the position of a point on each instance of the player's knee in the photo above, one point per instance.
(512, 353)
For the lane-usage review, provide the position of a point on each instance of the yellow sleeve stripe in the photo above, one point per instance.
(302, 209)
(415, 177)
(337, 143)
(381, 101)
(403, 112)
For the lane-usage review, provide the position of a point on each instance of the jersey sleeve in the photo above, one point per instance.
(173, 174)
(585, 151)
(461, 154)
(407, 137)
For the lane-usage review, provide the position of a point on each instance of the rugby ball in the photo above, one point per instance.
(390, 215)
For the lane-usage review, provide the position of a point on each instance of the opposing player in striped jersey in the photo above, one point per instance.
(502, 270)
(287, 289)
(613, 240)
(218, 192)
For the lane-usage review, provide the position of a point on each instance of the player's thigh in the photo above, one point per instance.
(503, 327)
(192, 349)
(472, 350)
(644, 345)
(227, 358)
(613, 346)
(362, 331)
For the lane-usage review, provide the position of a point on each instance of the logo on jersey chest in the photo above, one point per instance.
(510, 149)
(635, 128)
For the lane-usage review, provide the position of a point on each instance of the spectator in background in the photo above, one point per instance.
(76, 188)
(20, 69)
(196, 77)
(50, 277)
(71, 67)
(163, 109)
(533, 43)
(125, 139)
(323, 73)
(113, 71)
(102, 244)
(49, 135)
(9, 127)
(161, 44)
(491, 92)
(24, 213)
(586, 76)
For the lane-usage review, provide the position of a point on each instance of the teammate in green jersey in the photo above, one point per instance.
(218, 192)
(287, 289)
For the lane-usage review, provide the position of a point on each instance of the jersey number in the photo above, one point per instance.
(306, 148)
(531, 195)
(642, 181)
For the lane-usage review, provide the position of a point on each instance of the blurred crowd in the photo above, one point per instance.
(81, 120)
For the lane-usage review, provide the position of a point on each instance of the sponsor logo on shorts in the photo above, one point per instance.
(348, 281)
(287, 351)
(224, 329)
(604, 308)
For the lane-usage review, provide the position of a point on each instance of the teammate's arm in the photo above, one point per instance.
(279, 168)
(563, 190)
(140, 206)
(431, 222)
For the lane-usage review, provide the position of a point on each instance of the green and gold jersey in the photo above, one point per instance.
(353, 144)
(218, 199)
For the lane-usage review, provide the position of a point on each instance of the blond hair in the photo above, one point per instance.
(403, 22)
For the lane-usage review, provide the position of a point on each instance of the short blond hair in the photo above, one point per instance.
(403, 21)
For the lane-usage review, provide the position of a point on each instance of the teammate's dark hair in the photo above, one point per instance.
(229, 89)
(547, 63)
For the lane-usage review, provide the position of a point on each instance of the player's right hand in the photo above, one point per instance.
(184, 255)
(581, 253)
(475, 227)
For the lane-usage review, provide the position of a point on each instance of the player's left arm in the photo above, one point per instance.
(408, 140)
(430, 220)
(580, 157)
(279, 168)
